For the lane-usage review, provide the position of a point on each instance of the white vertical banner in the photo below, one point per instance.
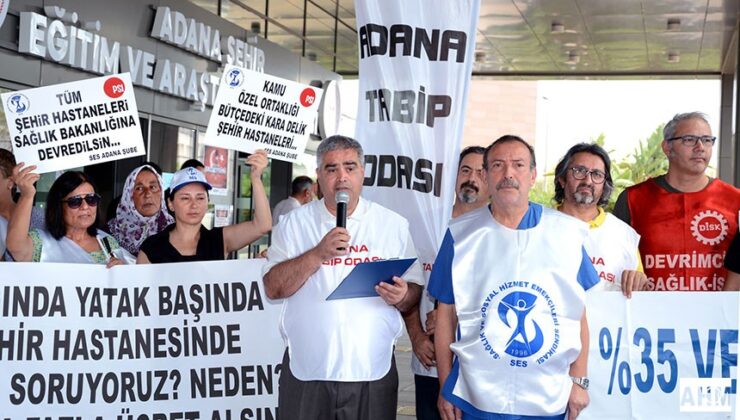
(416, 59)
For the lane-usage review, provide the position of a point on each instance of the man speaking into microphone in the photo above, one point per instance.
(339, 361)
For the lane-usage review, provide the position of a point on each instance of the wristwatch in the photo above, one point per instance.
(582, 382)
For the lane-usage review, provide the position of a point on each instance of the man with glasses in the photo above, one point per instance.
(583, 184)
(685, 218)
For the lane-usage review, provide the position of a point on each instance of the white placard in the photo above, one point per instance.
(74, 124)
(258, 111)
(186, 340)
(662, 355)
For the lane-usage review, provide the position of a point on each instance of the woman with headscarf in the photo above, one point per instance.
(187, 239)
(72, 217)
(141, 212)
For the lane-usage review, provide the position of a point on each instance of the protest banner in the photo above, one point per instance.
(662, 355)
(414, 77)
(148, 342)
(258, 111)
(74, 124)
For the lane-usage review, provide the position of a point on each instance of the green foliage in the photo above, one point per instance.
(646, 161)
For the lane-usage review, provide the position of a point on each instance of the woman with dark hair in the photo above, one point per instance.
(187, 239)
(141, 212)
(72, 217)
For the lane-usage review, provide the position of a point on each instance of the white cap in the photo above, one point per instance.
(187, 176)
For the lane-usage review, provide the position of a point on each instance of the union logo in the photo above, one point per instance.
(709, 227)
(521, 343)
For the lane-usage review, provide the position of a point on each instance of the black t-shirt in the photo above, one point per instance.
(732, 258)
(210, 247)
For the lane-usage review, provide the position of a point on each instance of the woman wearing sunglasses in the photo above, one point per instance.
(72, 217)
(141, 212)
(187, 239)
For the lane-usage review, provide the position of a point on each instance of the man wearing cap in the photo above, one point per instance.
(686, 219)
(187, 239)
(339, 361)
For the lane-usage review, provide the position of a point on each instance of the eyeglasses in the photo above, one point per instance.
(142, 189)
(579, 173)
(692, 140)
(75, 202)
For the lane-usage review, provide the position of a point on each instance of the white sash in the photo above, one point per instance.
(613, 249)
(519, 307)
(66, 250)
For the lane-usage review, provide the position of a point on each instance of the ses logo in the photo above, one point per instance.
(521, 324)
(18, 103)
(235, 78)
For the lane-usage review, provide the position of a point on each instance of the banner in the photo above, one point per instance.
(186, 341)
(662, 355)
(74, 124)
(416, 58)
(258, 111)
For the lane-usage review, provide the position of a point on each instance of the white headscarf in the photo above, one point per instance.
(129, 227)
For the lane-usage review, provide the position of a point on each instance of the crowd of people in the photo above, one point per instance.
(150, 224)
(667, 233)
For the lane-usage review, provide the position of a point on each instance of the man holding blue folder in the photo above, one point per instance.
(339, 362)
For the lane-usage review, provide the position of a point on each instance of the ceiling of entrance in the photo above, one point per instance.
(531, 37)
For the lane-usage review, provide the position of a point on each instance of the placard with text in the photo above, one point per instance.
(258, 111)
(74, 124)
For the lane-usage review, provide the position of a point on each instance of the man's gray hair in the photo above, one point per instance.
(338, 142)
(669, 131)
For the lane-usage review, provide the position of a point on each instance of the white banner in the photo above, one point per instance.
(662, 355)
(74, 124)
(416, 59)
(258, 111)
(185, 341)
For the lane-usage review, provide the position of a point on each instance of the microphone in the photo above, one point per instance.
(342, 198)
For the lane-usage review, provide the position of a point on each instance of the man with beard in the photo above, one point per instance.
(583, 184)
(686, 219)
(471, 190)
(511, 280)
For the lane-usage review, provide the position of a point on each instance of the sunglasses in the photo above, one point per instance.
(75, 202)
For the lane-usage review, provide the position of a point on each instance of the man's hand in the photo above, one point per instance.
(424, 350)
(431, 321)
(394, 293)
(334, 244)
(446, 410)
(577, 402)
(633, 281)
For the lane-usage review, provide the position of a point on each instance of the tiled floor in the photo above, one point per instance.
(406, 409)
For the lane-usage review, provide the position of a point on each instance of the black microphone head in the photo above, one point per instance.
(341, 197)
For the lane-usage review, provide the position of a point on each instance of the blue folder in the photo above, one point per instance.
(363, 278)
